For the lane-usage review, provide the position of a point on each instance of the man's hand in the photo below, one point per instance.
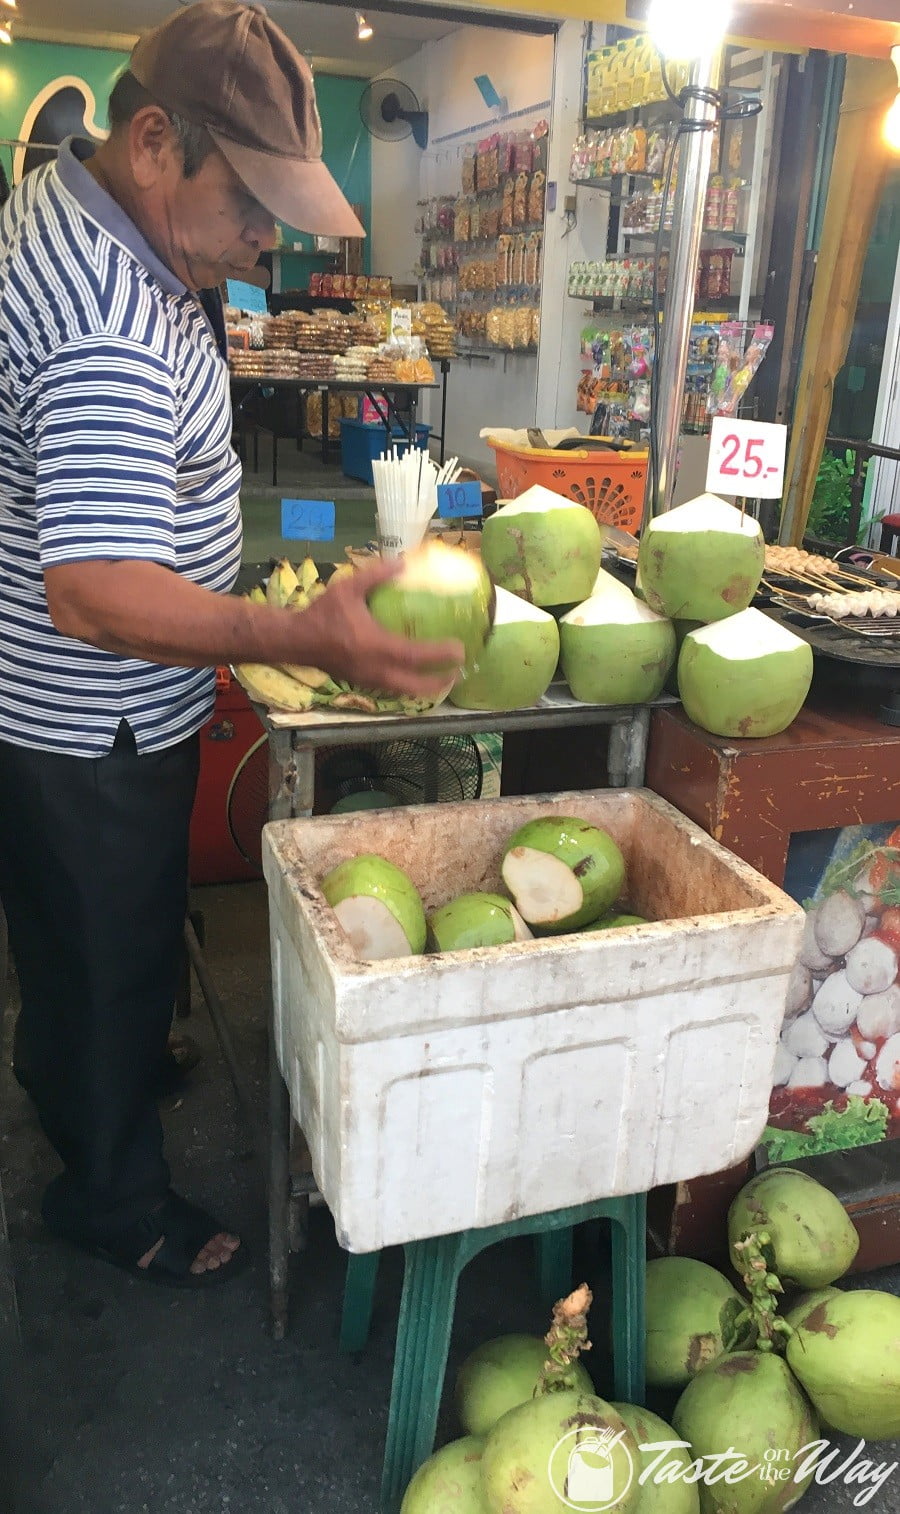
(355, 646)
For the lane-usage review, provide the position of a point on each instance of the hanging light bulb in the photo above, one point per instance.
(11, 4)
(363, 29)
(688, 28)
(892, 119)
(5, 33)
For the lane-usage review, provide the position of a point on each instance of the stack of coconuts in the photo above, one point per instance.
(739, 672)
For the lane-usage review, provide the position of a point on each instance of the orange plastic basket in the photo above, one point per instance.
(610, 484)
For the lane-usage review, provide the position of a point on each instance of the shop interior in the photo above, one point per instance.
(517, 175)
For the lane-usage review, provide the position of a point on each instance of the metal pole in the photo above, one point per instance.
(694, 160)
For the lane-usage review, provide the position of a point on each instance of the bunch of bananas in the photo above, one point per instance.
(292, 688)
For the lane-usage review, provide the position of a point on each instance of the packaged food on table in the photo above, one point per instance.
(462, 221)
(492, 325)
(314, 413)
(535, 211)
(508, 203)
(520, 200)
(502, 260)
(521, 326)
(517, 269)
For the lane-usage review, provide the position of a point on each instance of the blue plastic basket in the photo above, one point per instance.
(362, 443)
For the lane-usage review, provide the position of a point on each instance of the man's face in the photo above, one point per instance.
(209, 227)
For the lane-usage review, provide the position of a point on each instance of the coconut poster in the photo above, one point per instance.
(837, 1070)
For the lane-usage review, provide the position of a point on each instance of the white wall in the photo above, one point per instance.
(499, 390)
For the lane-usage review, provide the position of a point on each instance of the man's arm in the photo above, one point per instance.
(141, 609)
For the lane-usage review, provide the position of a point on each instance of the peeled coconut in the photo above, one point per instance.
(439, 592)
(449, 1482)
(668, 1496)
(702, 561)
(846, 1353)
(614, 650)
(499, 1376)
(691, 1311)
(543, 547)
(748, 1400)
(476, 920)
(746, 676)
(527, 1466)
(813, 1241)
(378, 907)
(517, 664)
(562, 873)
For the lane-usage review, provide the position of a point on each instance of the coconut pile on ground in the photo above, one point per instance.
(756, 1386)
(562, 875)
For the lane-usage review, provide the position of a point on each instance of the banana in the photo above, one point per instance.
(282, 583)
(298, 600)
(343, 570)
(309, 574)
(272, 687)
(257, 595)
(314, 678)
(315, 590)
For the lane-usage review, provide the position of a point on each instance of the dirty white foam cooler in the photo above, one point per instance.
(439, 1094)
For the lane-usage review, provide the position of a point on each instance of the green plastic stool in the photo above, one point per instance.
(427, 1306)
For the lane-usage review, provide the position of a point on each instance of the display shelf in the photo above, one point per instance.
(660, 112)
(739, 238)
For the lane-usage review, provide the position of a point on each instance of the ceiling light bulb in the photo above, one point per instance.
(892, 126)
(10, 3)
(5, 34)
(688, 28)
(363, 29)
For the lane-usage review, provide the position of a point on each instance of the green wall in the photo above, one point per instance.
(27, 67)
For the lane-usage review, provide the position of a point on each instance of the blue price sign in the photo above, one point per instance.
(307, 519)
(456, 501)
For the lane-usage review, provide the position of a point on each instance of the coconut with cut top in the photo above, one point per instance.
(543, 547)
(474, 920)
(745, 676)
(562, 873)
(615, 649)
(440, 592)
(702, 561)
(378, 907)
(518, 662)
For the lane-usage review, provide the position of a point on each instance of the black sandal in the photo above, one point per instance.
(184, 1229)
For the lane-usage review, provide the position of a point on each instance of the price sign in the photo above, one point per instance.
(460, 501)
(307, 519)
(746, 458)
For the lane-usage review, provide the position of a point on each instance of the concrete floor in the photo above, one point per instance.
(145, 1401)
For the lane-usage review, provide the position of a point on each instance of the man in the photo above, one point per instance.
(119, 539)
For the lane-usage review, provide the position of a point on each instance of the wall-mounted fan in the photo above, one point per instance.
(390, 110)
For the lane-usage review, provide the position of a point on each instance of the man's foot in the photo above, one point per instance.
(217, 1253)
(176, 1243)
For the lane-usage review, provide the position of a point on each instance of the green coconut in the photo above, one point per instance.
(812, 1239)
(543, 547)
(449, 1482)
(615, 922)
(846, 1353)
(702, 561)
(560, 1451)
(518, 662)
(439, 592)
(562, 873)
(378, 907)
(751, 1402)
(672, 1494)
(691, 1310)
(499, 1376)
(615, 650)
(746, 676)
(474, 920)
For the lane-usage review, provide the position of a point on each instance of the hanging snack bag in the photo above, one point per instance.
(534, 214)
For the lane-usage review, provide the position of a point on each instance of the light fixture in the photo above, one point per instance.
(363, 29)
(892, 119)
(11, 4)
(5, 33)
(688, 28)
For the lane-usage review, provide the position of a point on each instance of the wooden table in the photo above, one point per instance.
(836, 766)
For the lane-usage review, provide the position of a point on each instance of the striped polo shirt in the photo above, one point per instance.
(115, 443)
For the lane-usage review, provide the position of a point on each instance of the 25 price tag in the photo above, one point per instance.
(460, 501)
(307, 519)
(746, 458)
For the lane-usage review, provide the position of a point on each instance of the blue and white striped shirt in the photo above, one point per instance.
(115, 443)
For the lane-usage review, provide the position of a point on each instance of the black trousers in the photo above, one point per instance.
(93, 879)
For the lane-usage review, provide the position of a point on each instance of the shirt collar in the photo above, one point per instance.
(101, 208)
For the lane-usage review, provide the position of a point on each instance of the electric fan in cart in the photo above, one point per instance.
(435, 770)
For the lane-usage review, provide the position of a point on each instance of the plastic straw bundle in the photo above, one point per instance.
(406, 496)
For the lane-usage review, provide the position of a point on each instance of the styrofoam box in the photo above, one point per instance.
(460, 1090)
